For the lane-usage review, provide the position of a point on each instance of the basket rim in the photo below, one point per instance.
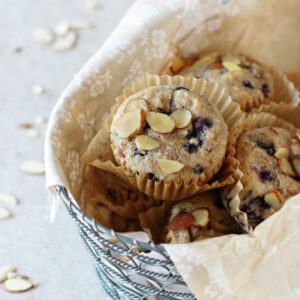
(64, 196)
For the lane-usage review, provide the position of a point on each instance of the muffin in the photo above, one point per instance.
(270, 162)
(247, 81)
(169, 133)
(202, 216)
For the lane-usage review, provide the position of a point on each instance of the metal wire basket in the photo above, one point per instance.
(122, 263)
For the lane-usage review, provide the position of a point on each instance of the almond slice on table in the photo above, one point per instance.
(33, 167)
(8, 198)
(274, 199)
(146, 142)
(282, 153)
(24, 125)
(181, 117)
(160, 122)
(201, 217)
(62, 28)
(231, 66)
(286, 167)
(136, 104)
(129, 123)
(182, 221)
(18, 284)
(65, 42)
(4, 213)
(168, 166)
(38, 89)
(43, 35)
(5, 270)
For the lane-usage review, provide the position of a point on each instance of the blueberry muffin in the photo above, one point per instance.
(247, 80)
(270, 161)
(169, 133)
(202, 216)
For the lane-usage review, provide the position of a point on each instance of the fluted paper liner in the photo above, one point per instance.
(103, 214)
(98, 155)
(117, 195)
(284, 89)
(230, 194)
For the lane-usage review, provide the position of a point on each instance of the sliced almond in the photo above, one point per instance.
(18, 284)
(5, 270)
(274, 199)
(295, 147)
(43, 35)
(160, 122)
(282, 153)
(206, 60)
(273, 130)
(296, 165)
(286, 167)
(38, 89)
(92, 5)
(32, 133)
(135, 104)
(33, 167)
(65, 43)
(181, 222)
(146, 142)
(8, 198)
(201, 217)
(176, 64)
(4, 213)
(39, 120)
(234, 59)
(168, 166)
(181, 117)
(231, 66)
(24, 125)
(62, 28)
(129, 123)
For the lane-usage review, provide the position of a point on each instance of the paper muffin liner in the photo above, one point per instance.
(103, 214)
(154, 221)
(286, 111)
(284, 89)
(117, 195)
(98, 155)
(230, 194)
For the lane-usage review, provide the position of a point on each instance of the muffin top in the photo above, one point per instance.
(199, 217)
(246, 79)
(169, 133)
(270, 161)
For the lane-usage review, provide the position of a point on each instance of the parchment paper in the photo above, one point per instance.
(265, 265)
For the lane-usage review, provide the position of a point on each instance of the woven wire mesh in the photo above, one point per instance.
(127, 268)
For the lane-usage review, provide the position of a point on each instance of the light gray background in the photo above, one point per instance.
(50, 253)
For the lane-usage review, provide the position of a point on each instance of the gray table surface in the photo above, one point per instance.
(51, 253)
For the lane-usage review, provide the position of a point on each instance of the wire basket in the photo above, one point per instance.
(122, 263)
